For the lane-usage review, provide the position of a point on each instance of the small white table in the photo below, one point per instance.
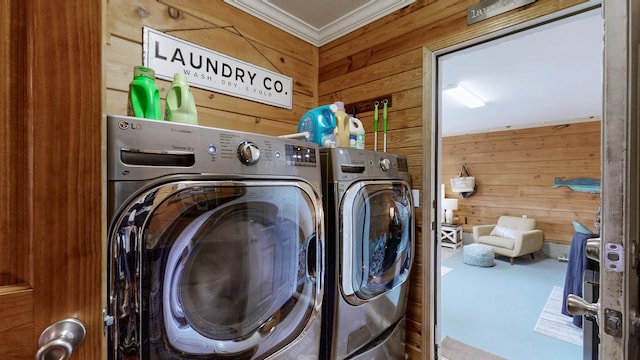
(451, 236)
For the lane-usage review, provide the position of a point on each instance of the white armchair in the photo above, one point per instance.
(512, 236)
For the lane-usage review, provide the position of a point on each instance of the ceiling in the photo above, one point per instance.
(546, 75)
(319, 21)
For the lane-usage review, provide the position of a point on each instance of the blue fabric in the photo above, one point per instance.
(575, 272)
(578, 227)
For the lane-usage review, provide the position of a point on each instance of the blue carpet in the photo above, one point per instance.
(496, 308)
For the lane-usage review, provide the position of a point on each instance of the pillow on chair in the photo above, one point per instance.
(504, 232)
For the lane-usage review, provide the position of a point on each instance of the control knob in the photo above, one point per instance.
(248, 153)
(385, 164)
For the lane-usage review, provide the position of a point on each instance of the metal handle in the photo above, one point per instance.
(58, 341)
(578, 306)
(593, 249)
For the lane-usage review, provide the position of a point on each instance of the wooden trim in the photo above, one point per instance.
(430, 171)
(16, 323)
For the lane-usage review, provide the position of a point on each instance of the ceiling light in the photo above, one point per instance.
(463, 95)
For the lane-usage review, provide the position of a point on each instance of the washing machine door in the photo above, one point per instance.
(215, 270)
(377, 238)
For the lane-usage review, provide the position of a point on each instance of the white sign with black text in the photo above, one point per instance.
(210, 70)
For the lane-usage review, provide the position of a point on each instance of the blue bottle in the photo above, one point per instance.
(320, 123)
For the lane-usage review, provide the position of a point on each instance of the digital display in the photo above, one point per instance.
(300, 155)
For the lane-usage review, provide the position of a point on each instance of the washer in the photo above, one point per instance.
(215, 243)
(370, 249)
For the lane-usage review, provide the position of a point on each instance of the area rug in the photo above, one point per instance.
(453, 349)
(444, 270)
(554, 324)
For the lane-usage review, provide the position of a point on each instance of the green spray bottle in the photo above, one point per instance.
(180, 106)
(144, 95)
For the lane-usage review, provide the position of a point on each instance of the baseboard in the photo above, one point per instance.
(555, 251)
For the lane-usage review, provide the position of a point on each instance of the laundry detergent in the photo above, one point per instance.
(144, 95)
(320, 123)
(356, 131)
(342, 124)
(180, 105)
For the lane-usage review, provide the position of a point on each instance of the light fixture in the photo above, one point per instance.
(463, 95)
(449, 205)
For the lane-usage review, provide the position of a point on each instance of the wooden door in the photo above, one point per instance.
(51, 212)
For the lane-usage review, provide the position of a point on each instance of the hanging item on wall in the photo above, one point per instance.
(585, 185)
(214, 71)
(466, 194)
(464, 183)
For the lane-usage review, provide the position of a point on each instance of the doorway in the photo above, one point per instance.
(467, 65)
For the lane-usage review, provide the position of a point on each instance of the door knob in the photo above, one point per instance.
(578, 306)
(60, 339)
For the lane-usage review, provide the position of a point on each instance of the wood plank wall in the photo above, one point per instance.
(385, 57)
(224, 29)
(515, 172)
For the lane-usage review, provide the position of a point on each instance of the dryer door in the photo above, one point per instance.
(213, 270)
(377, 238)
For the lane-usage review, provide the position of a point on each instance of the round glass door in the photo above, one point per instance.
(377, 238)
(228, 269)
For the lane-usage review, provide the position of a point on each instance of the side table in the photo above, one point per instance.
(451, 235)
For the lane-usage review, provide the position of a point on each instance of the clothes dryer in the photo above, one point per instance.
(215, 243)
(370, 250)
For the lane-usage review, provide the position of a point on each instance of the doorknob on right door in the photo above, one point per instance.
(578, 306)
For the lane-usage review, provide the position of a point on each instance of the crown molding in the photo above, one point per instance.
(334, 28)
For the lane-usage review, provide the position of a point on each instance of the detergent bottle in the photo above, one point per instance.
(180, 106)
(144, 95)
(320, 123)
(342, 124)
(356, 133)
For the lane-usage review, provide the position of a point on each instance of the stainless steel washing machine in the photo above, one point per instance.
(370, 250)
(215, 243)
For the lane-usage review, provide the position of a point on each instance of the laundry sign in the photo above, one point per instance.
(488, 8)
(210, 70)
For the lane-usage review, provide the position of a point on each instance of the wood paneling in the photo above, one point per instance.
(224, 29)
(384, 57)
(515, 172)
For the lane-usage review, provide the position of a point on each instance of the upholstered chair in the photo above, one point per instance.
(512, 236)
